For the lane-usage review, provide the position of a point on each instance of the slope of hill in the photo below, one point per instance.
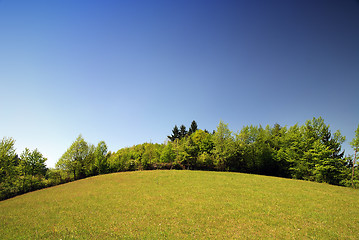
(183, 204)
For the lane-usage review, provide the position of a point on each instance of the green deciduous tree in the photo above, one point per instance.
(150, 155)
(8, 168)
(100, 158)
(223, 145)
(7, 159)
(318, 153)
(33, 168)
(74, 159)
(202, 147)
(168, 154)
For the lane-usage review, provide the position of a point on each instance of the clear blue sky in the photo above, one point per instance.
(127, 71)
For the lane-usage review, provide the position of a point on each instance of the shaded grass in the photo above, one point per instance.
(183, 204)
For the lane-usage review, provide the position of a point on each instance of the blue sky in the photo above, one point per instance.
(127, 71)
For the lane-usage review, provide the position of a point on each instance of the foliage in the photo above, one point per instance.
(20, 175)
(193, 128)
(100, 163)
(175, 134)
(168, 154)
(182, 132)
(355, 142)
(309, 152)
(223, 145)
(355, 145)
(8, 168)
(74, 159)
(32, 168)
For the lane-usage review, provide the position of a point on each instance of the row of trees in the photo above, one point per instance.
(28, 172)
(310, 152)
(20, 174)
(182, 131)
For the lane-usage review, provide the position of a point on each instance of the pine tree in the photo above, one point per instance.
(193, 127)
(183, 131)
(175, 134)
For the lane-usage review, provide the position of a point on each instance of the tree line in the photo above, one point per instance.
(309, 152)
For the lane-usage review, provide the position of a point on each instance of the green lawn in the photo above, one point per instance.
(183, 204)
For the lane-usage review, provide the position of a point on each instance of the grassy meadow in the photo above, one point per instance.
(183, 205)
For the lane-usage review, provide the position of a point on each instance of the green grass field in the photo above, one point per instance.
(183, 204)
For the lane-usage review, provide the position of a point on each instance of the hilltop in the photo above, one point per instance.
(183, 204)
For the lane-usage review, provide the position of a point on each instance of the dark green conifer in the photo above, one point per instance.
(193, 127)
(183, 131)
(175, 134)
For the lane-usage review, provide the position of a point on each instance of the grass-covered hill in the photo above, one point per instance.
(183, 204)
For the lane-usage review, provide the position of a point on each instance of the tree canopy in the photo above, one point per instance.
(310, 152)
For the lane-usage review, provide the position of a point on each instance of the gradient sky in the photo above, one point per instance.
(127, 71)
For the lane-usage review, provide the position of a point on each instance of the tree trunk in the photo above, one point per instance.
(355, 156)
(31, 183)
(23, 184)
